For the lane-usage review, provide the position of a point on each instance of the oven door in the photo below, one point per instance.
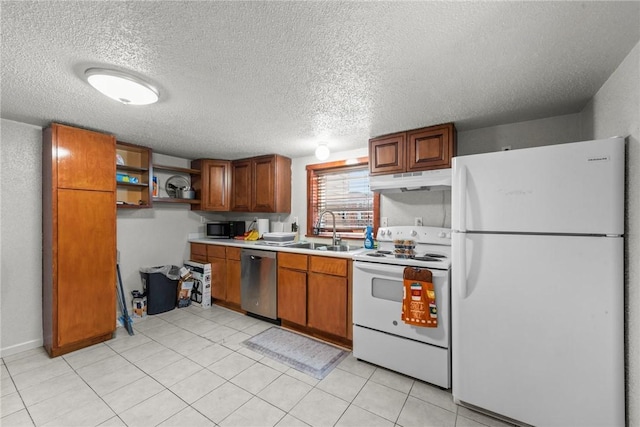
(377, 302)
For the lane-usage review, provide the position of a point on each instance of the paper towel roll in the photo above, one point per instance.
(263, 227)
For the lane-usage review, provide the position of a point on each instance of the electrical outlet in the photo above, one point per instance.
(203, 220)
(295, 219)
(506, 148)
(417, 221)
(384, 221)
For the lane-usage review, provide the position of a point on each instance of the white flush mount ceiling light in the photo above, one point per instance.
(121, 86)
(322, 152)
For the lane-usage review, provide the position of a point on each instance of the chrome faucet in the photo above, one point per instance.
(335, 239)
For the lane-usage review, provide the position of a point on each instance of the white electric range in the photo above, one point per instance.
(379, 334)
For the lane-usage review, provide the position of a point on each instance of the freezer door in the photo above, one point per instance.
(575, 188)
(537, 327)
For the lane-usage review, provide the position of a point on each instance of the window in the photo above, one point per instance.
(342, 188)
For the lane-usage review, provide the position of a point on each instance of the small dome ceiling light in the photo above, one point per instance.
(121, 86)
(322, 152)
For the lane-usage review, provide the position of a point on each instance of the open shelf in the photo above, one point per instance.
(137, 164)
(174, 200)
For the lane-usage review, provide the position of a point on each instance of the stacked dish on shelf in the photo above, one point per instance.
(404, 248)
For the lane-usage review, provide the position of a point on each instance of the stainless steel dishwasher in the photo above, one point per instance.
(259, 294)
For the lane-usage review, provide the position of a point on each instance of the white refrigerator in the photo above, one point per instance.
(537, 283)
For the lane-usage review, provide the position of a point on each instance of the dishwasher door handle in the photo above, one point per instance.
(255, 257)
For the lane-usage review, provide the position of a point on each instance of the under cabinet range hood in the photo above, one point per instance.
(431, 180)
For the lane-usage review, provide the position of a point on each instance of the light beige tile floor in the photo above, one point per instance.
(188, 367)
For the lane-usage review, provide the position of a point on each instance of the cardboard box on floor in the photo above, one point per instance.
(201, 291)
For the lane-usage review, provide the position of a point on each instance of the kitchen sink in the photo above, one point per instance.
(342, 248)
(309, 245)
(324, 247)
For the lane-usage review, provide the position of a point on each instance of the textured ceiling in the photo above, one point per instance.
(238, 79)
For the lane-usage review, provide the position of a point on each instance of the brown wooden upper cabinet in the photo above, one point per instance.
(414, 150)
(213, 185)
(261, 184)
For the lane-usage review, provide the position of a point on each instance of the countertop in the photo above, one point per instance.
(261, 245)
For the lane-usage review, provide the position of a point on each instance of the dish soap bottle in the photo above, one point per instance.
(368, 238)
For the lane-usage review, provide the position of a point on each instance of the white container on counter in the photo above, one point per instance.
(263, 227)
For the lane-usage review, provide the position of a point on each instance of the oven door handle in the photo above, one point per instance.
(389, 269)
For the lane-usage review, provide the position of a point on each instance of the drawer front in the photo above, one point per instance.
(233, 253)
(198, 250)
(294, 261)
(328, 265)
(214, 251)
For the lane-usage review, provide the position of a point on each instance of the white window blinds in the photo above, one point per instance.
(345, 192)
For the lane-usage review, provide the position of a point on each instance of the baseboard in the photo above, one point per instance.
(19, 348)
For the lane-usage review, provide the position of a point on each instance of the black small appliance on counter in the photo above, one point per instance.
(224, 229)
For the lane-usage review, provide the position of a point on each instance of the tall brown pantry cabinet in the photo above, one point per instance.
(79, 238)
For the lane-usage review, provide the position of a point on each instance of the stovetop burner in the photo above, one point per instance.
(429, 258)
(376, 254)
(379, 254)
(434, 256)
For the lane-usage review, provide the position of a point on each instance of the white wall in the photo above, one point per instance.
(20, 237)
(153, 237)
(615, 110)
(533, 133)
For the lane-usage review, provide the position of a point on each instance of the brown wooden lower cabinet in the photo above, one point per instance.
(225, 271)
(314, 294)
(233, 275)
(327, 303)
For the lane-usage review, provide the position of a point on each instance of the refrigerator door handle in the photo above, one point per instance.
(460, 273)
(461, 179)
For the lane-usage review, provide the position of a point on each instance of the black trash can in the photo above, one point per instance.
(160, 285)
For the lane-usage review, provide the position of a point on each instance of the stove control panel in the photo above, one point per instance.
(424, 234)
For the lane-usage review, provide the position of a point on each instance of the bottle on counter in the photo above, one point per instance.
(368, 238)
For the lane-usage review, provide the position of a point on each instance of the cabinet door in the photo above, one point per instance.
(241, 186)
(430, 148)
(81, 158)
(233, 281)
(216, 185)
(292, 295)
(327, 303)
(264, 184)
(84, 289)
(387, 154)
(218, 277)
